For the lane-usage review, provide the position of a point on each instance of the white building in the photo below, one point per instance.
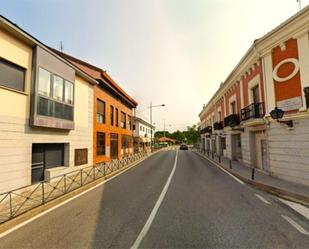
(142, 134)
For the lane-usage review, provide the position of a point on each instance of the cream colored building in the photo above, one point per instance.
(46, 111)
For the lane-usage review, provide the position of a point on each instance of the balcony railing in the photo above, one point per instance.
(218, 125)
(207, 129)
(231, 120)
(255, 110)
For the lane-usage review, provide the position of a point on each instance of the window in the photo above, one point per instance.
(12, 76)
(58, 88)
(123, 120)
(134, 127)
(233, 107)
(219, 116)
(129, 122)
(68, 92)
(55, 96)
(112, 115)
(100, 143)
(44, 82)
(117, 117)
(141, 128)
(255, 94)
(81, 157)
(100, 111)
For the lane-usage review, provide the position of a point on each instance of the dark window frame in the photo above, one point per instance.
(123, 120)
(101, 144)
(117, 117)
(99, 114)
(112, 115)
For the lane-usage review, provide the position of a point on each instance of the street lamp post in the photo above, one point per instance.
(151, 135)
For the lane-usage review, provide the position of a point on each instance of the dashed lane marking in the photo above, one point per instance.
(262, 199)
(295, 225)
(155, 208)
(304, 211)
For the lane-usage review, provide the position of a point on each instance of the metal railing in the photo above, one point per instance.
(21, 200)
(255, 110)
(231, 120)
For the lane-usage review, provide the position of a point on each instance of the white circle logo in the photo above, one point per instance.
(291, 75)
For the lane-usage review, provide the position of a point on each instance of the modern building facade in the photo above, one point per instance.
(236, 122)
(142, 135)
(46, 113)
(113, 112)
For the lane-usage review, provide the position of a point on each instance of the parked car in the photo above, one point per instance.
(184, 147)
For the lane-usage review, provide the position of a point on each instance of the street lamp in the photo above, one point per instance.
(150, 107)
(277, 114)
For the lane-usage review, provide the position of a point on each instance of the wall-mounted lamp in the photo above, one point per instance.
(277, 114)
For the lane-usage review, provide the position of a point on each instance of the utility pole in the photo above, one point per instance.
(151, 135)
(299, 3)
(164, 128)
(61, 46)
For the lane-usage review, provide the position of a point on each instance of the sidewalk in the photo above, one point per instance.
(282, 188)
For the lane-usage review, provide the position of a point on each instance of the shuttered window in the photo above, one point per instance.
(12, 76)
(81, 156)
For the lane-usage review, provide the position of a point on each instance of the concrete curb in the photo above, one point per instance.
(288, 195)
(42, 208)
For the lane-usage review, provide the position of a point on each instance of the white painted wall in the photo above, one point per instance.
(288, 151)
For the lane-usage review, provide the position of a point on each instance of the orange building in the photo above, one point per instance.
(259, 116)
(113, 111)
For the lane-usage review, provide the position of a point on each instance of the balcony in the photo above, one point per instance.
(231, 120)
(218, 125)
(255, 110)
(207, 129)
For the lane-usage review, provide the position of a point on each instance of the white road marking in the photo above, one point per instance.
(295, 225)
(155, 208)
(304, 211)
(262, 199)
(64, 202)
(219, 166)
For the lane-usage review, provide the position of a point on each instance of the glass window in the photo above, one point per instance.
(123, 120)
(117, 121)
(100, 143)
(100, 111)
(44, 82)
(129, 122)
(58, 88)
(112, 115)
(68, 93)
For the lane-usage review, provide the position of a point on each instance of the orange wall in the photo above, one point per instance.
(236, 91)
(107, 128)
(290, 88)
(257, 70)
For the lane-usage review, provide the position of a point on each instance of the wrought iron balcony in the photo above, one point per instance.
(231, 120)
(207, 129)
(255, 110)
(218, 125)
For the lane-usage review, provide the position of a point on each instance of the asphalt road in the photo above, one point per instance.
(203, 208)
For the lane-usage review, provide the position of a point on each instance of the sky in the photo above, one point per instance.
(172, 52)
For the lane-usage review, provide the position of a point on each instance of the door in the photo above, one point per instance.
(45, 156)
(37, 163)
(236, 147)
(114, 145)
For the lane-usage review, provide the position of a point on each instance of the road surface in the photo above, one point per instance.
(202, 207)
